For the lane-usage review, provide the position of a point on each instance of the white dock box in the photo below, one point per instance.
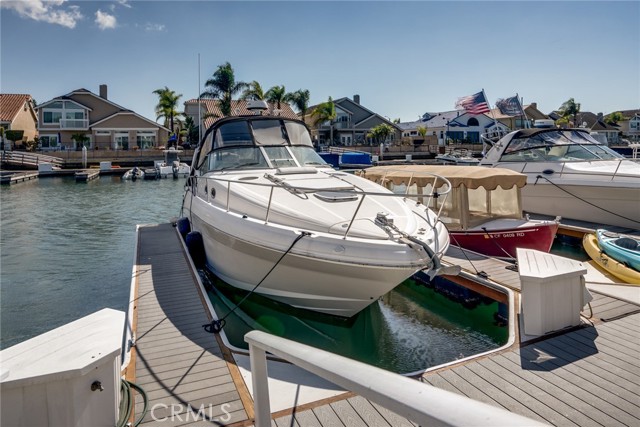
(553, 291)
(105, 166)
(48, 380)
(45, 167)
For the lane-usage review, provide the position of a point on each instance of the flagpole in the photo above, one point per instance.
(495, 122)
(199, 105)
(524, 115)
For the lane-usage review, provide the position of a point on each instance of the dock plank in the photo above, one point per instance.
(180, 365)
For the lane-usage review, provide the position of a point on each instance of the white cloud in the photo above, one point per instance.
(124, 3)
(153, 27)
(104, 20)
(51, 11)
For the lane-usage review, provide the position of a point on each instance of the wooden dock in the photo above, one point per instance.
(587, 376)
(87, 175)
(10, 178)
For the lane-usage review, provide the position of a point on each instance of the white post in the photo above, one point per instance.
(260, 379)
(84, 157)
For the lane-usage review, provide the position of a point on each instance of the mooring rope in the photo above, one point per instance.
(216, 325)
(580, 198)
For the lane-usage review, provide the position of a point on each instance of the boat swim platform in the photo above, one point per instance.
(583, 376)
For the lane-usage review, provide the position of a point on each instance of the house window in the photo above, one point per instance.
(121, 141)
(67, 114)
(49, 142)
(103, 133)
(145, 139)
(473, 122)
(50, 117)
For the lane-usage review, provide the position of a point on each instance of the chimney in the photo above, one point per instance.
(103, 91)
(600, 117)
(356, 99)
(534, 105)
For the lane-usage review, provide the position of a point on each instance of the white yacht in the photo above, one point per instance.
(275, 218)
(571, 174)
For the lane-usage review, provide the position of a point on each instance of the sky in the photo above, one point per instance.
(402, 58)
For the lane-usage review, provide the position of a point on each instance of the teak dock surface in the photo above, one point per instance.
(588, 376)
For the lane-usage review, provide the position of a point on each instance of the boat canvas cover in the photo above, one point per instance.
(471, 177)
(478, 194)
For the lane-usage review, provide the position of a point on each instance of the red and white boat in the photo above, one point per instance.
(483, 212)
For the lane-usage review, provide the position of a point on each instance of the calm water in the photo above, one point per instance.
(409, 329)
(67, 248)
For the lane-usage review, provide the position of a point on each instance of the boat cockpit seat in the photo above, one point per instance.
(627, 243)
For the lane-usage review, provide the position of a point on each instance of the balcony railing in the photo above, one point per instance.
(74, 124)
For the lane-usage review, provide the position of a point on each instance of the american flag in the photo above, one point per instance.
(474, 104)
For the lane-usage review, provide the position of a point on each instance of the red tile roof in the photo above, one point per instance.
(10, 105)
(239, 108)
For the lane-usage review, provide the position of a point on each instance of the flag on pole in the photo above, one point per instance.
(510, 106)
(474, 104)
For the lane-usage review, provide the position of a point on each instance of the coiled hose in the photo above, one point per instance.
(127, 402)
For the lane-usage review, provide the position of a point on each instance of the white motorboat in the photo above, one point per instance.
(133, 174)
(460, 157)
(277, 219)
(571, 174)
(172, 166)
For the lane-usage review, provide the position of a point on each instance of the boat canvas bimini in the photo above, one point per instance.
(571, 174)
(483, 212)
(276, 218)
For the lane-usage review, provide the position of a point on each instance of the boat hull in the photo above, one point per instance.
(616, 268)
(323, 272)
(602, 205)
(502, 243)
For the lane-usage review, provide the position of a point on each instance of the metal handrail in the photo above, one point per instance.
(419, 402)
(357, 191)
(575, 173)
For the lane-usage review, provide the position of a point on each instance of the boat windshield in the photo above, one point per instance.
(260, 144)
(560, 145)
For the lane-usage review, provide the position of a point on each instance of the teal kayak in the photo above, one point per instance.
(622, 248)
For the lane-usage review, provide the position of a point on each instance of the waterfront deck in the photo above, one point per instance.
(588, 376)
(10, 178)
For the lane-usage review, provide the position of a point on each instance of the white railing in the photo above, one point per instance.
(74, 124)
(304, 191)
(421, 403)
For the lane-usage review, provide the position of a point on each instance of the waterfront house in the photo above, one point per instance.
(17, 113)
(519, 122)
(630, 126)
(352, 124)
(454, 127)
(83, 118)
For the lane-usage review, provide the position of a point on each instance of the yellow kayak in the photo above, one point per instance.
(618, 269)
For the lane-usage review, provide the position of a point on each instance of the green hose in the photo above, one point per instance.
(127, 403)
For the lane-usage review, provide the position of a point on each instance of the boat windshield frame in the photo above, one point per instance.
(565, 145)
(257, 142)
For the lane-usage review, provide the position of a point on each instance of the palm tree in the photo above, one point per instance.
(253, 91)
(300, 100)
(325, 112)
(167, 107)
(223, 86)
(570, 108)
(276, 95)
